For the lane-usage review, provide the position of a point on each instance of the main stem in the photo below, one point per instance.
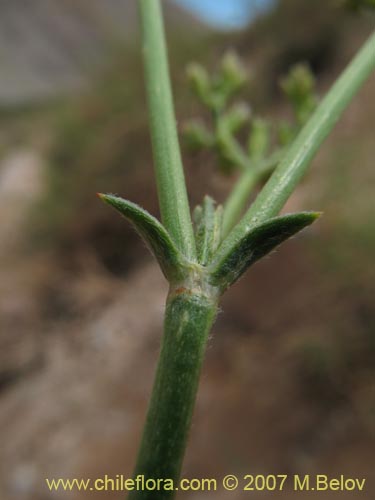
(191, 306)
(188, 319)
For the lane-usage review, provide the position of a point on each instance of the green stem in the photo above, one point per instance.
(247, 182)
(189, 317)
(298, 157)
(173, 199)
(237, 199)
(229, 148)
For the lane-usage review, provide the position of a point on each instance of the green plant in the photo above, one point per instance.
(258, 159)
(201, 260)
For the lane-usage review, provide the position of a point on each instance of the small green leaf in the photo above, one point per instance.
(199, 81)
(299, 87)
(233, 73)
(286, 133)
(229, 150)
(259, 139)
(299, 83)
(237, 116)
(197, 136)
(157, 238)
(258, 242)
(208, 221)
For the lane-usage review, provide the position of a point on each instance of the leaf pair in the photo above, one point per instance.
(224, 265)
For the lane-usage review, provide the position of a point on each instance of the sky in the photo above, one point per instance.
(226, 14)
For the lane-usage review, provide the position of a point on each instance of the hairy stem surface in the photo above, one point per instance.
(173, 199)
(188, 319)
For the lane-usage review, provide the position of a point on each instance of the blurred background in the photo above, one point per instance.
(288, 385)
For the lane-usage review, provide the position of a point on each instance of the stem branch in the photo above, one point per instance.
(173, 199)
(298, 157)
(247, 182)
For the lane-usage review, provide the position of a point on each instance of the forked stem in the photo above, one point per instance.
(193, 299)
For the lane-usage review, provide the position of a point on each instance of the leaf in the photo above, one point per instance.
(199, 80)
(258, 242)
(208, 221)
(157, 238)
(259, 139)
(197, 136)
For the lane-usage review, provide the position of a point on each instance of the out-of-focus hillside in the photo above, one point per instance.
(52, 46)
(289, 380)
